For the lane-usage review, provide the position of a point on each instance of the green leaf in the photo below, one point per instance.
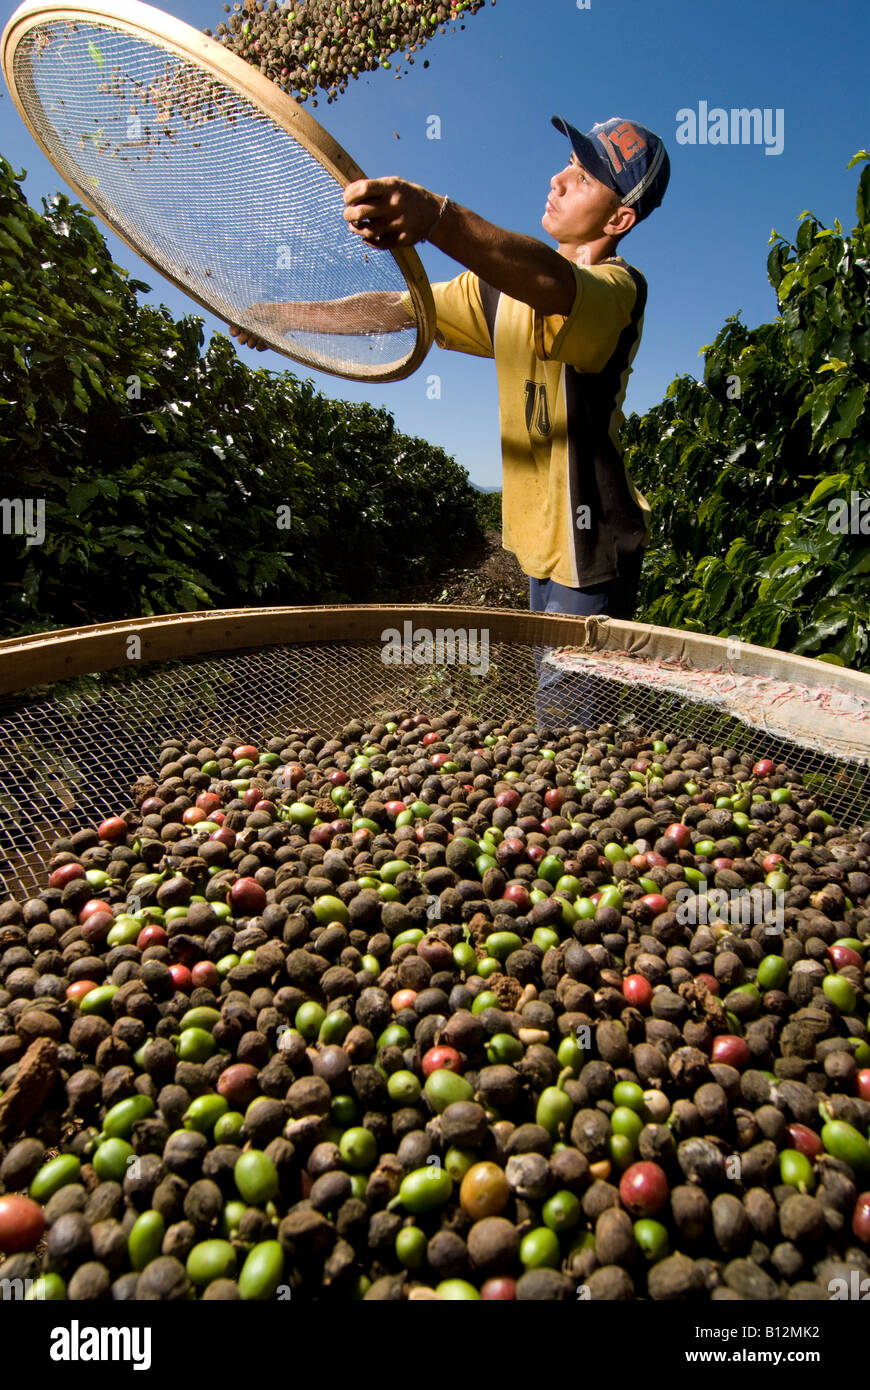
(80, 494)
(822, 401)
(786, 562)
(95, 382)
(849, 411)
(18, 229)
(95, 53)
(740, 555)
(717, 591)
(832, 486)
(860, 565)
(775, 262)
(785, 285)
(862, 200)
(825, 627)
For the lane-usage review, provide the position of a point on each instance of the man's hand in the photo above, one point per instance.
(375, 311)
(390, 212)
(246, 338)
(273, 315)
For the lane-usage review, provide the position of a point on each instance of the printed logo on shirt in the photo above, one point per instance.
(537, 408)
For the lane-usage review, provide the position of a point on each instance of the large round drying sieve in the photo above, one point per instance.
(213, 175)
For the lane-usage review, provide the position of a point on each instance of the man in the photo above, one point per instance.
(563, 326)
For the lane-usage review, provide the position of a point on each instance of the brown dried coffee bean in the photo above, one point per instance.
(690, 1207)
(614, 1238)
(610, 1283)
(762, 1212)
(684, 1120)
(549, 1285)
(21, 1164)
(67, 1242)
(203, 1204)
(802, 1219)
(164, 1279)
(656, 1144)
(493, 1243)
(747, 1279)
(310, 1095)
(712, 1104)
(590, 1132)
(464, 1123)
(109, 1243)
(446, 1252)
(305, 1233)
(598, 1197)
(265, 1119)
(675, 1278)
(731, 1226)
(787, 1260)
(570, 1169)
(222, 1290)
(701, 1161)
(87, 1033)
(650, 1063)
(612, 1043)
(91, 1282)
(73, 1197)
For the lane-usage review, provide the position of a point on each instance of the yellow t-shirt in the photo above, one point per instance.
(569, 507)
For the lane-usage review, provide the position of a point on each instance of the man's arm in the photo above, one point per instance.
(378, 312)
(391, 212)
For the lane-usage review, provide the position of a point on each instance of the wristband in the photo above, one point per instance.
(441, 211)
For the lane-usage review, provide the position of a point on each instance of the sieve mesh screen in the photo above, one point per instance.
(69, 755)
(820, 718)
(205, 186)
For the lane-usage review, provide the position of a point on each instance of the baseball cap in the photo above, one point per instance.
(626, 157)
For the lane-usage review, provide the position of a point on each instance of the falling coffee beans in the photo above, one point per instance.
(322, 46)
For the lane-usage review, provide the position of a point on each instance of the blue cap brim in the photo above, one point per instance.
(591, 158)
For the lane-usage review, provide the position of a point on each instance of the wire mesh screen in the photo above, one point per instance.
(206, 186)
(69, 756)
(819, 718)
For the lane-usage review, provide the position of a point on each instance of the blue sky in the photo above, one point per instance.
(495, 86)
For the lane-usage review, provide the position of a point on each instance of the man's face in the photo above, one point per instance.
(579, 206)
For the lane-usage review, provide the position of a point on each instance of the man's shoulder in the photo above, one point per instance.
(464, 278)
(615, 267)
(462, 289)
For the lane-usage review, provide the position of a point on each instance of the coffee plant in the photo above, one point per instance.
(759, 475)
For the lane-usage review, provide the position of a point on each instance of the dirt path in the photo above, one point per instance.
(486, 576)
